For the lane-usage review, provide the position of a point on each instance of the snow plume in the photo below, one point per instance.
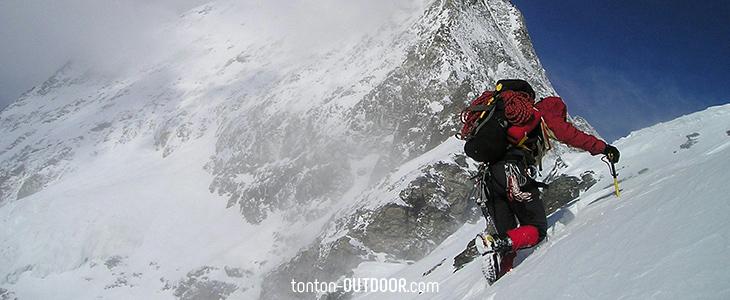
(640, 103)
(39, 36)
(259, 133)
(307, 24)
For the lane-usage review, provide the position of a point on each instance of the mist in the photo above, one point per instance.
(39, 36)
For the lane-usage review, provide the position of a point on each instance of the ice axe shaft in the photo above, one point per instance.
(608, 159)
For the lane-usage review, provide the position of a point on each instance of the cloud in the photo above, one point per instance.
(38, 36)
(303, 27)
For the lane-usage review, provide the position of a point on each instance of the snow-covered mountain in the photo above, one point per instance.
(666, 237)
(235, 161)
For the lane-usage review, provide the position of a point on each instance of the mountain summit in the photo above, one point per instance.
(242, 157)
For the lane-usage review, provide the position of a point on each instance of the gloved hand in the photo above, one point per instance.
(611, 153)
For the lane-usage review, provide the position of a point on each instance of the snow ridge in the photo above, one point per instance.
(234, 158)
(663, 238)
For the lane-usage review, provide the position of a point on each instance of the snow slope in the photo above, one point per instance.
(200, 168)
(667, 236)
(242, 151)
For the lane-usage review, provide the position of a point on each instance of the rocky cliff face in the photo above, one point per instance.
(332, 159)
(465, 47)
(448, 54)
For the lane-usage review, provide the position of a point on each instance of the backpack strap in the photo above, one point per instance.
(480, 107)
(491, 113)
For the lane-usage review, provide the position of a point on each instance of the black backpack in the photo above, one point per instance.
(485, 125)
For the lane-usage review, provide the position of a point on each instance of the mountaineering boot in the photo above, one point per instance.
(488, 243)
(492, 247)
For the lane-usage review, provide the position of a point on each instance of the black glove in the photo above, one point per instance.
(611, 153)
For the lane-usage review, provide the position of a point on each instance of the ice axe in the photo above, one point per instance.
(608, 159)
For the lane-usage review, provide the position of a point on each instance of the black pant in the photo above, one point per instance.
(506, 213)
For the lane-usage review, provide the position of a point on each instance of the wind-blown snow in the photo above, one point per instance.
(127, 207)
(84, 152)
(205, 168)
(667, 236)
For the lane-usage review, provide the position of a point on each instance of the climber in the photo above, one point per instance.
(509, 133)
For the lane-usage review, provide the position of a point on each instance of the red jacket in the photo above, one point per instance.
(554, 113)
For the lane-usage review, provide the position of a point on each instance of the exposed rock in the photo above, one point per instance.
(437, 206)
(236, 272)
(21, 176)
(691, 140)
(119, 282)
(57, 80)
(444, 66)
(7, 295)
(114, 261)
(433, 268)
(101, 126)
(15, 275)
(276, 158)
(31, 185)
(198, 286)
(565, 189)
(321, 262)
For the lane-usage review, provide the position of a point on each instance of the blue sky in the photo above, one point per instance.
(625, 65)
